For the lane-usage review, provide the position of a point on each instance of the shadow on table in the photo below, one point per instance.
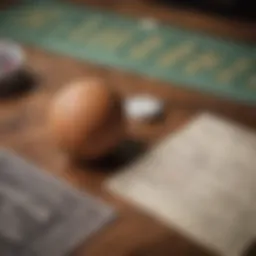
(128, 152)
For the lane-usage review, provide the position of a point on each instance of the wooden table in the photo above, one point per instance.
(23, 128)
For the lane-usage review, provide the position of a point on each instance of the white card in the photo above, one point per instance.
(201, 181)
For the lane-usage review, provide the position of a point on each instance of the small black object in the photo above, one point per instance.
(16, 84)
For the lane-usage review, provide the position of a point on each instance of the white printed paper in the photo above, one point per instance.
(201, 181)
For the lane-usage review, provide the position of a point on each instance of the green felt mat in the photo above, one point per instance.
(188, 59)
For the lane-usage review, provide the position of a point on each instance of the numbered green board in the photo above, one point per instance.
(184, 58)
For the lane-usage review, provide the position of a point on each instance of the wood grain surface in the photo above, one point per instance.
(23, 127)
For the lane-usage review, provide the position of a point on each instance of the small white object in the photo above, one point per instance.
(144, 108)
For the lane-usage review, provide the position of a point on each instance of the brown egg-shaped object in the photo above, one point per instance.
(86, 119)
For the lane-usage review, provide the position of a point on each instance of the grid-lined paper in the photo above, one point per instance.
(201, 181)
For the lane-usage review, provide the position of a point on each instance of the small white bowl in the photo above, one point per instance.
(144, 108)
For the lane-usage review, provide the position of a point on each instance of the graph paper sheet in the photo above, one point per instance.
(201, 181)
